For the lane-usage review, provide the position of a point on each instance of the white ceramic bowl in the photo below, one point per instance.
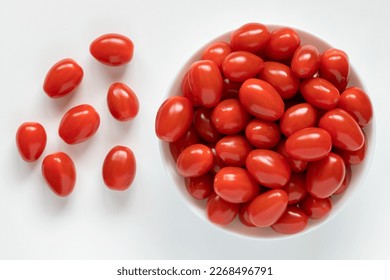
(359, 172)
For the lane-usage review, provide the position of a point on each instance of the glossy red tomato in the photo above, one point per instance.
(262, 134)
(240, 66)
(269, 168)
(79, 124)
(357, 103)
(204, 127)
(346, 133)
(60, 173)
(292, 221)
(334, 67)
(229, 116)
(63, 78)
(31, 140)
(220, 211)
(122, 102)
(251, 37)
(261, 100)
(205, 81)
(309, 144)
(295, 164)
(119, 168)
(347, 180)
(217, 52)
(353, 157)
(267, 207)
(235, 184)
(316, 208)
(296, 188)
(306, 61)
(191, 137)
(325, 176)
(200, 187)
(243, 215)
(282, 44)
(195, 160)
(112, 49)
(298, 117)
(232, 150)
(281, 77)
(320, 93)
(174, 118)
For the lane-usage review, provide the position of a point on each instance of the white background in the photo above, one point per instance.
(150, 220)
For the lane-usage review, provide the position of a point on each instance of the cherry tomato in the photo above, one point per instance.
(296, 188)
(235, 184)
(174, 118)
(60, 173)
(334, 67)
(195, 160)
(282, 44)
(229, 116)
(320, 93)
(232, 150)
(119, 168)
(309, 144)
(346, 133)
(243, 215)
(325, 176)
(220, 211)
(204, 127)
(357, 103)
(347, 180)
(292, 221)
(122, 102)
(281, 77)
(200, 187)
(240, 66)
(31, 140)
(306, 61)
(79, 124)
(217, 52)
(316, 208)
(261, 100)
(191, 137)
(251, 37)
(205, 81)
(298, 117)
(186, 91)
(353, 157)
(112, 49)
(262, 134)
(295, 164)
(267, 207)
(269, 168)
(63, 78)
(230, 89)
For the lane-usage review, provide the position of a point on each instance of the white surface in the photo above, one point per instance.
(150, 220)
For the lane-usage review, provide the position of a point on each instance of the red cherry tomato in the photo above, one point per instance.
(251, 37)
(119, 168)
(31, 140)
(325, 176)
(112, 49)
(269, 168)
(174, 118)
(296, 188)
(295, 164)
(79, 124)
(261, 100)
(122, 102)
(267, 208)
(262, 134)
(217, 52)
(309, 144)
(60, 173)
(320, 93)
(334, 67)
(204, 127)
(205, 81)
(232, 150)
(200, 187)
(347, 180)
(229, 116)
(243, 215)
(346, 133)
(220, 211)
(282, 44)
(316, 208)
(298, 117)
(191, 137)
(195, 160)
(240, 66)
(353, 157)
(357, 103)
(235, 184)
(281, 77)
(292, 221)
(306, 61)
(63, 78)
